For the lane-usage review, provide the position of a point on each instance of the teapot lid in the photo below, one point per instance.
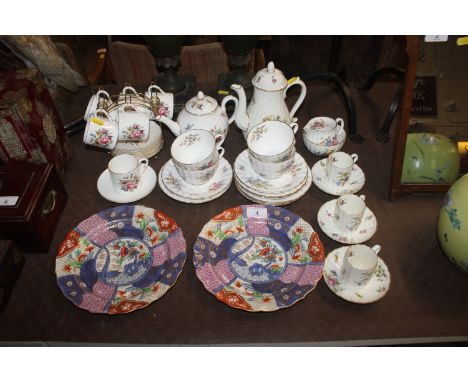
(270, 78)
(201, 104)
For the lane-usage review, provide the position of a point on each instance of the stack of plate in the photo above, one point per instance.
(147, 149)
(276, 192)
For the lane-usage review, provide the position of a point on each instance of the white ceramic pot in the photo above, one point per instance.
(324, 131)
(201, 113)
(268, 100)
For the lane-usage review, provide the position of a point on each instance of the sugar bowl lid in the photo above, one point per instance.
(270, 78)
(201, 104)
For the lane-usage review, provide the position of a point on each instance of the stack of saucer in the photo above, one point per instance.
(147, 149)
(286, 189)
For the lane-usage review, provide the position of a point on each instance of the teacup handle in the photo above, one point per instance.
(355, 157)
(294, 125)
(132, 89)
(220, 152)
(219, 139)
(376, 248)
(292, 82)
(153, 86)
(340, 124)
(102, 111)
(223, 106)
(100, 91)
(143, 164)
(363, 197)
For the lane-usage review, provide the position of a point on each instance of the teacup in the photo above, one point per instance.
(324, 131)
(100, 100)
(161, 103)
(133, 126)
(199, 151)
(359, 264)
(101, 131)
(339, 167)
(126, 172)
(131, 101)
(349, 211)
(271, 147)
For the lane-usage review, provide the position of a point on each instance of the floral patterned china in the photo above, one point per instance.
(147, 183)
(326, 147)
(353, 184)
(324, 131)
(126, 171)
(339, 166)
(279, 200)
(358, 292)
(120, 260)
(101, 131)
(291, 181)
(258, 258)
(175, 187)
(362, 232)
(133, 126)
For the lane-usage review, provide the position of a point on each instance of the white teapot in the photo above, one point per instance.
(268, 100)
(202, 112)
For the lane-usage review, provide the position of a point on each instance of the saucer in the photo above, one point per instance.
(175, 187)
(276, 201)
(354, 184)
(363, 233)
(289, 183)
(147, 183)
(374, 290)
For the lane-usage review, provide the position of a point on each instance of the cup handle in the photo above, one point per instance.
(132, 89)
(363, 197)
(102, 111)
(376, 248)
(221, 152)
(340, 124)
(219, 139)
(100, 91)
(144, 162)
(294, 125)
(153, 86)
(355, 157)
(223, 106)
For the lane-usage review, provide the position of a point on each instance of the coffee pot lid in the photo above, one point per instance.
(201, 104)
(270, 78)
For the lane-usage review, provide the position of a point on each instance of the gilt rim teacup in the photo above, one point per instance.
(126, 171)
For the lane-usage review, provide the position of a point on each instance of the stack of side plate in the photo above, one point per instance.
(284, 190)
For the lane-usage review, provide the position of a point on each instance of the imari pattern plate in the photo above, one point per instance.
(120, 259)
(374, 290)
(258, 258)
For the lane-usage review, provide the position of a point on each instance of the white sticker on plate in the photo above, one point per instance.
(8, 201)
(257, 212)
(435, 38)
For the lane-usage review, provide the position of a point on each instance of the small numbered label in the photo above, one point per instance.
(257, 212)
(8, 201)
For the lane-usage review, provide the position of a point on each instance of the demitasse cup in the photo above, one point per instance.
(196, 155)
(161, 103)
(359, 264)
(126, 172)
(349, 211)
(101, 131)
(133, 126)
(271, 147)
(100, 100)
(324, 131)
(339, 167)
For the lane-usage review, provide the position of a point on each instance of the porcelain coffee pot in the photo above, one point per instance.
(202, 113)
(268, 100)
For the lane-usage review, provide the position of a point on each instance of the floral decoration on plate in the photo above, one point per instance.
(120, 259)
(352, 184)
(258, 258)
(365, 230)
(374, 290)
